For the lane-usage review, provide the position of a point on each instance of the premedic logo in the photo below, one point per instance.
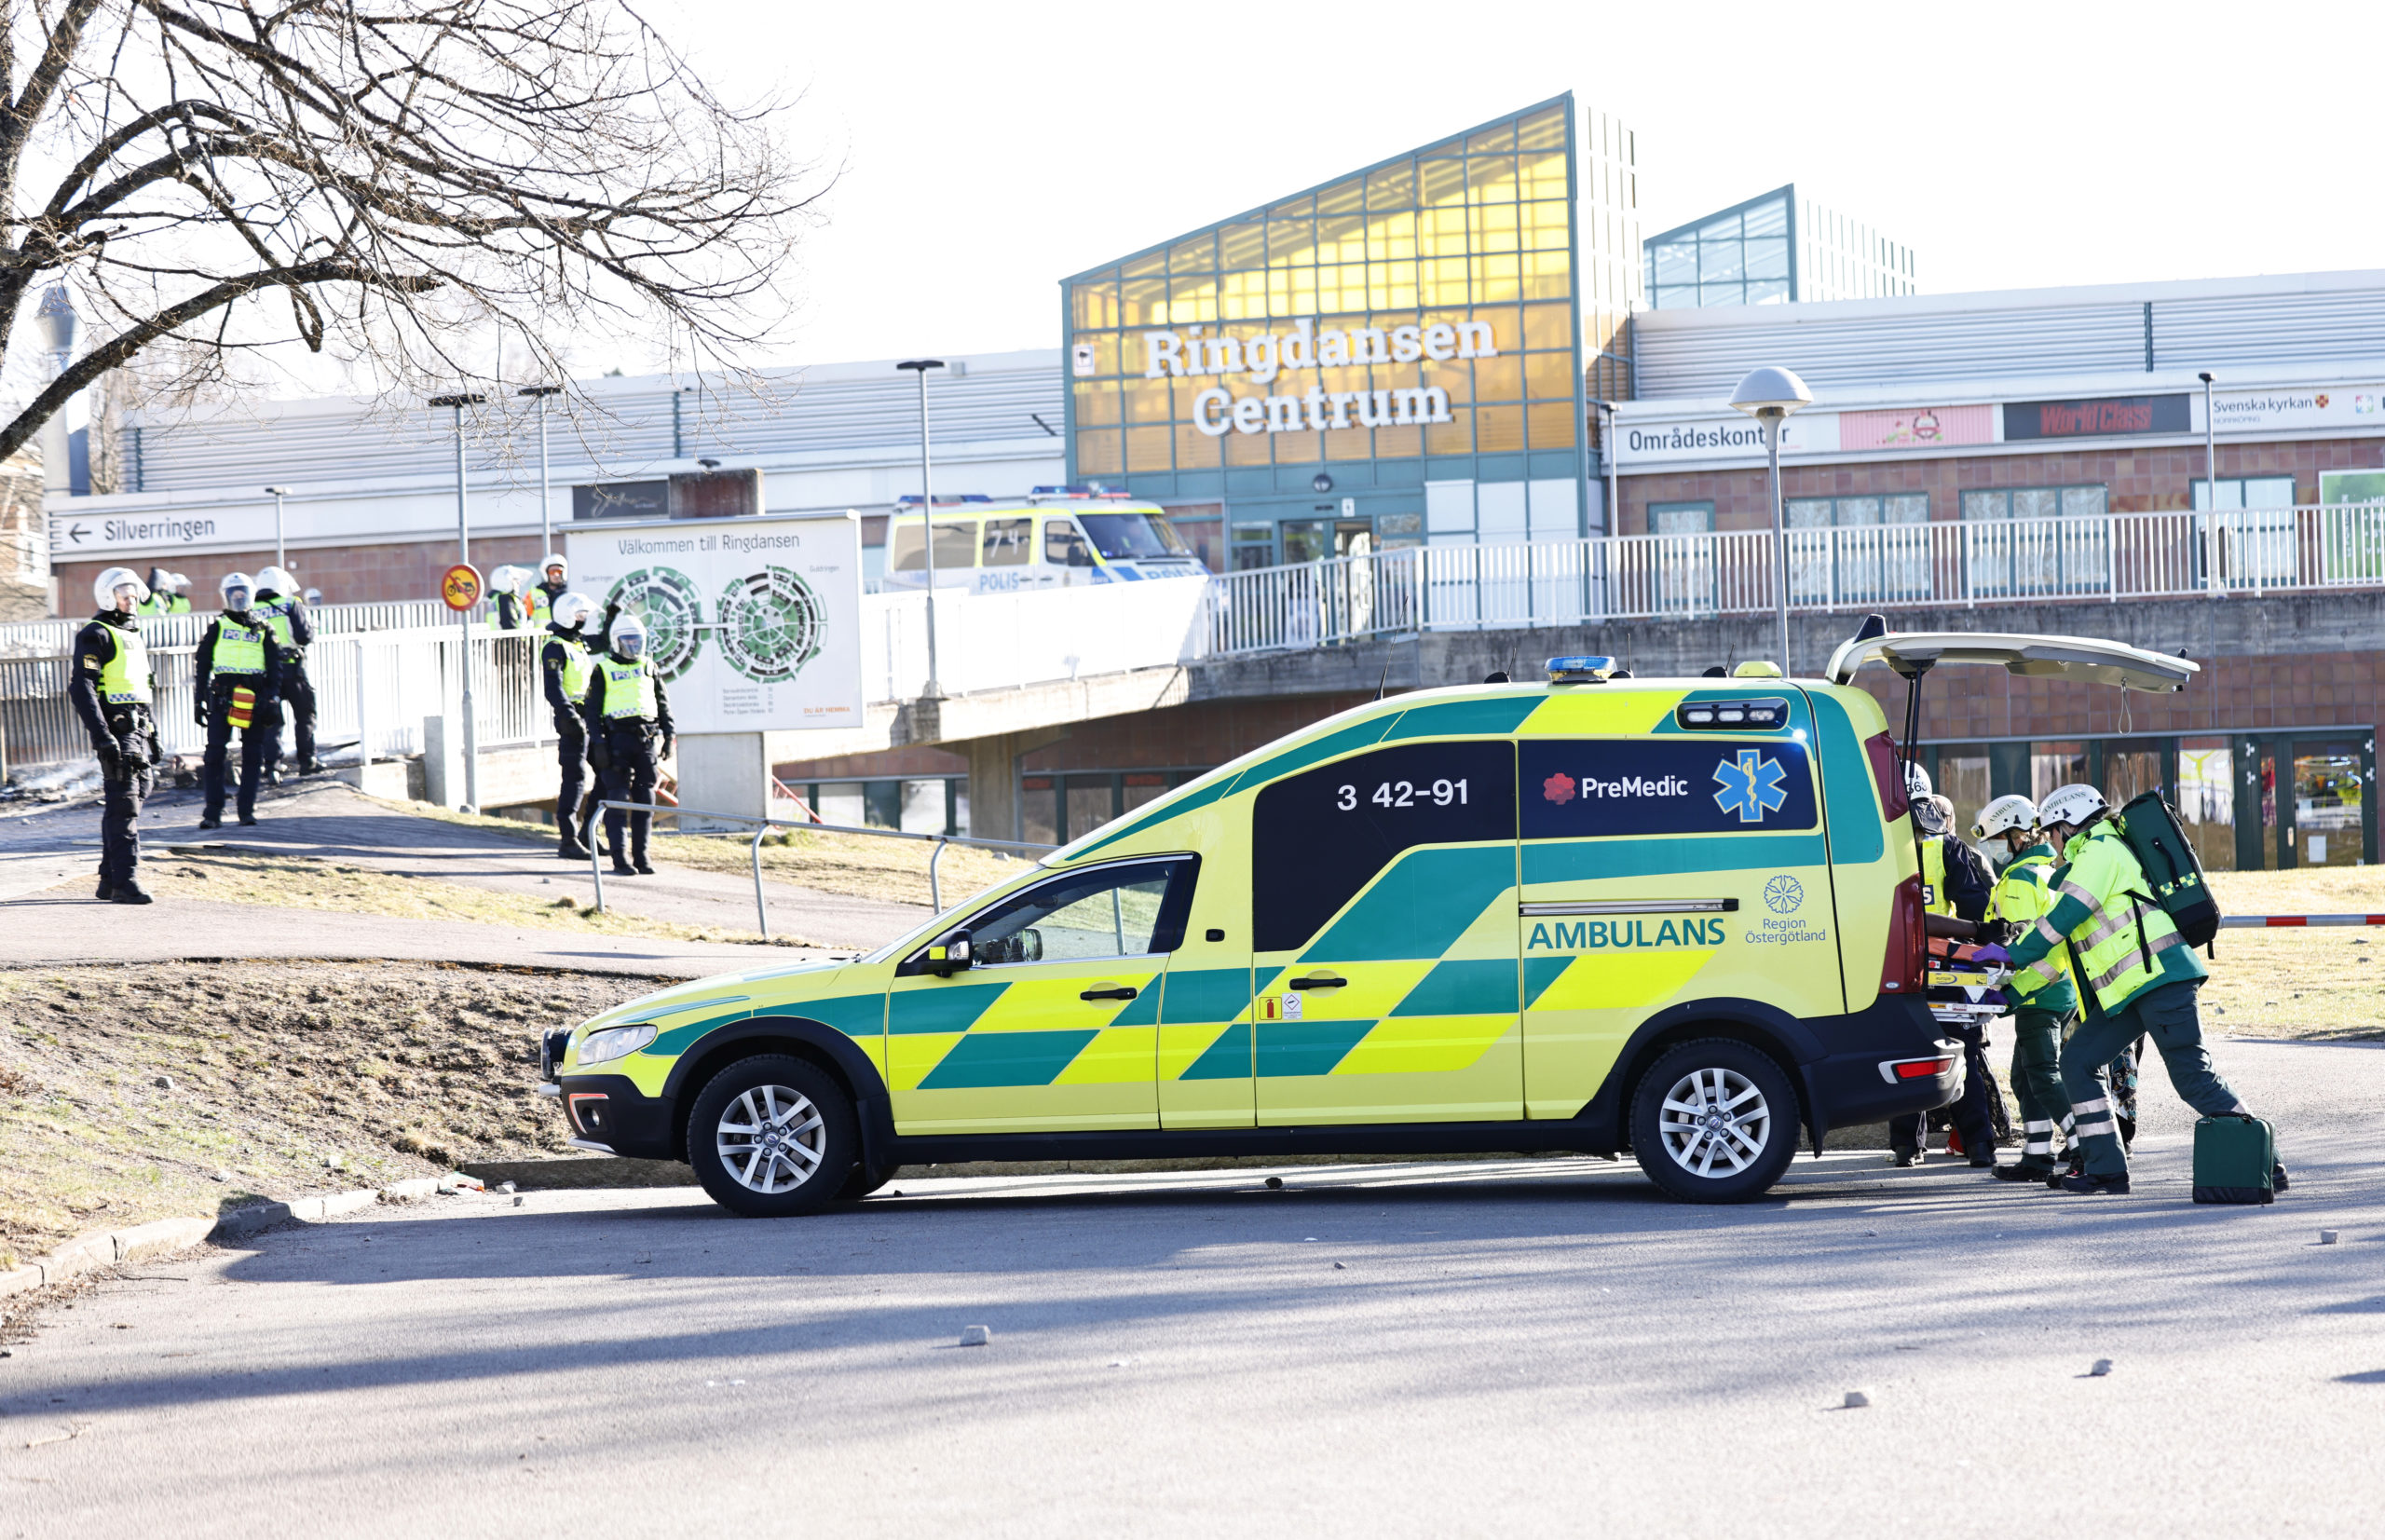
(1558, 788)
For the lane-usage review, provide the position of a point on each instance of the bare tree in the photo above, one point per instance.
(382, 183)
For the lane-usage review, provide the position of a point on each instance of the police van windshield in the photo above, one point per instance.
(1124, 537)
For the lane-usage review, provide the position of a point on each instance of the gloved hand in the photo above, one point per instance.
(199, 711)
(667, 745)
(267, 714)
(1993, 955)
(111, 755)
(598, 754)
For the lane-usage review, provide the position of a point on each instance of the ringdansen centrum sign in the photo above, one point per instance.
(1264, 359)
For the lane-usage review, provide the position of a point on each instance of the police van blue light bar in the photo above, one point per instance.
(946, 499)
(1589, 668)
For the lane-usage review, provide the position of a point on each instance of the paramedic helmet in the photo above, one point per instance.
(572, 610)
(2004, 816)
(2076, 806)
(628, 635)
(238, 589)
(110, 587)
(1916, 781)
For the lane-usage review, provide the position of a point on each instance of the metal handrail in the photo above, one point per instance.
(761, 911)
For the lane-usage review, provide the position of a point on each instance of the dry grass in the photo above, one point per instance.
(280, 1069)
(300, 882)
(858, 866)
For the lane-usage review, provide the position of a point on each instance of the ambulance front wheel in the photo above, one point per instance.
(1714, 1121)
(772, 1135)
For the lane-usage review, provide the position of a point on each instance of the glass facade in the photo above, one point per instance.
(1772, 249)
(1333, 352)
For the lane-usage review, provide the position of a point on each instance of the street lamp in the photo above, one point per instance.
(546, 534)
(463, 616)
(277, 494)
(2210, 482)
(57, 319)
(927, 516)
(1769, 395)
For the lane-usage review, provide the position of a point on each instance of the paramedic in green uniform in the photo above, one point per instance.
(2043, 997)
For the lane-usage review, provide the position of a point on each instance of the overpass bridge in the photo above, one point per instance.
(1021, 670)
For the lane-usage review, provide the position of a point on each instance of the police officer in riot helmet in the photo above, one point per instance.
(629, 734)
(554, 578)
(237, 689)
(564, 665)
(164, 596)
(112, 692)
(284, 611)
(1953, 883)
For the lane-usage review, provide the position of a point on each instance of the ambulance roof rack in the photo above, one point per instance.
(1591, 668)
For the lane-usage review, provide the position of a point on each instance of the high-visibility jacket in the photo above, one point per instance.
(2024, 893)
(577, 660)
(513, 612)
(2125, 942)
(1934, 896)
(164, 604)
(240, 649)
(123, 680)
(275, 613)
(628, 689)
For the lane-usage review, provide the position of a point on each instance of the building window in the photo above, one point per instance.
(1254, 546)
(1740, 258)
(1681, 518)
(2036, 502)
(2043, 540)
(2246, 492)
(1880, 550)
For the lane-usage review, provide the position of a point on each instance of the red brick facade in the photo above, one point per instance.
(2137, 480)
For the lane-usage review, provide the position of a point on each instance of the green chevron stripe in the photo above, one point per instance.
(984, 1059)
(951, 1008)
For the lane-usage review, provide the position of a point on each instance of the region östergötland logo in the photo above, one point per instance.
(1783, 894)
(1751, 785)
(1558, 788)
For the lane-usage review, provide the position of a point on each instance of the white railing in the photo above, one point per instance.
(1943, 565)
(54, 638)
(996, 641)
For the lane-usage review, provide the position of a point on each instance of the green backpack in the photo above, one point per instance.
(2172, 868)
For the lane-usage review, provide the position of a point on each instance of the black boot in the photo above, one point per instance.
(107, 890)
(2084, 1183)
(637, 849)
(130, 892)
(248, 820)
(569, 848)
(212, 820)
(2277, 1176)
(2022, 1173)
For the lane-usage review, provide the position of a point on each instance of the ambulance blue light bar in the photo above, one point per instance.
(1589, 668)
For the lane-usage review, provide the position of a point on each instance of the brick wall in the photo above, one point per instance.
(2139, 480)
(356, 574)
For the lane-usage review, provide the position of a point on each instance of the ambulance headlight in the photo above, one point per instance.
(612, 1043)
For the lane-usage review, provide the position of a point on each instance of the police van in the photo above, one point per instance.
(1678, 917)
(1057, 536)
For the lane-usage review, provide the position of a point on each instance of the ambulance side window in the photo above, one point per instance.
(1318, 838)
(1132, 909)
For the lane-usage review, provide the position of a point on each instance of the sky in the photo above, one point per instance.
(983, 153)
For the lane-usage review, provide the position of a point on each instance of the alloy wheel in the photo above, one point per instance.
(772, 1139)
(1715, 1122)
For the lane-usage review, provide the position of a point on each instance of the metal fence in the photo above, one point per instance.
(1945, 564)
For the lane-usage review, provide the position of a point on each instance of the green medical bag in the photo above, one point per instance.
(2233, 1159)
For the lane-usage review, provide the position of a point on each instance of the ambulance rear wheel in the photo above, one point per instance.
(772, 1135)
(1714, 1121)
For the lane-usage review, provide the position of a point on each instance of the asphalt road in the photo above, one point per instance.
(1527, 1347)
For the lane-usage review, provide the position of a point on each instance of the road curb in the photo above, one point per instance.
(105, 1248)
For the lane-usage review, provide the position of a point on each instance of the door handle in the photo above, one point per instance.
(1121, 992)
(1320, 981)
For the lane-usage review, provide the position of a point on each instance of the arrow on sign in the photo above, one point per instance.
(77, 534)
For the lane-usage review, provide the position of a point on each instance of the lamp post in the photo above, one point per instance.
(463, 616)
(277, 494)
(2210, 482)
(546, 532)
(1769, 395)
(927, 516)
(57, 319)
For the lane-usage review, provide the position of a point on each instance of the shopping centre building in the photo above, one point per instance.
(1468, 344)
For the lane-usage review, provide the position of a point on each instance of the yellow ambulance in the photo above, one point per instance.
(1678, 917)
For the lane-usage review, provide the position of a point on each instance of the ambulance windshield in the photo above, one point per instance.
(1127, 537)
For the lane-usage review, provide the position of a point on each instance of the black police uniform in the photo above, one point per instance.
(296, 687)
(124, 734)
(571, 732)
(1968, 888)
(213, 696)
(627, 751)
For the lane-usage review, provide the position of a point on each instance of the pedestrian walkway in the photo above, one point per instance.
(327, 820)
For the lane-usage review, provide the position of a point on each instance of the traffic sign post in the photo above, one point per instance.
(460, 586)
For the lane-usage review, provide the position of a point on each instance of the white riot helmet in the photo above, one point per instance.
(628, 636)
(181, 581)
(240, 583)
(572, 610)
(506, 579)
(275, 580)
(103, 587)
(2075, 805)
(554, 568)
(2005, 814)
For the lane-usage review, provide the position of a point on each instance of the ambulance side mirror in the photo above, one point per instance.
(951, 956)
